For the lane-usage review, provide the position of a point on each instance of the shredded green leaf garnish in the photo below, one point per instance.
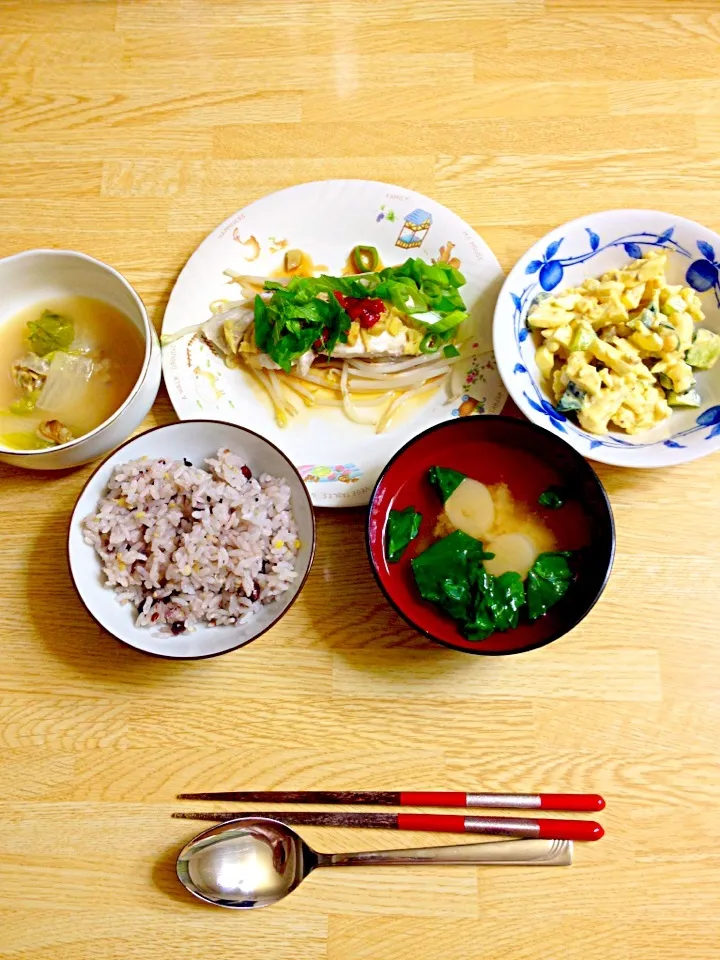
(305, 310)
(49, 332)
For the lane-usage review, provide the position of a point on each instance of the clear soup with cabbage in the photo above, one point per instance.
(66, 365)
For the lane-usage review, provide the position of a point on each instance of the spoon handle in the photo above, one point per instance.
(540, 853)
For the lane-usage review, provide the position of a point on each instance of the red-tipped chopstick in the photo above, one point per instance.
(499, 826)
(505, 801)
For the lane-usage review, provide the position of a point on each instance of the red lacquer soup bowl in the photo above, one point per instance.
(528, 460)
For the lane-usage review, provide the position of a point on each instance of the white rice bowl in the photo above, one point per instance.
(192, 539)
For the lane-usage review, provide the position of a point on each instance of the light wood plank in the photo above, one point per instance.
(129, 130)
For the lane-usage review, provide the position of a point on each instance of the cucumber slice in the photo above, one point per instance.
(704, 351)
(582, 339)
(572, 399)
(691, 398)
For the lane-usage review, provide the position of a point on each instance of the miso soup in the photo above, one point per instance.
(66, 365)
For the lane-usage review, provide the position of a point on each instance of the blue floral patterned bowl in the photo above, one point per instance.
(587, 247)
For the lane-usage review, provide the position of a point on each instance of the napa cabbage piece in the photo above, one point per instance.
(67, 386)
(51, 331)
(18, 431)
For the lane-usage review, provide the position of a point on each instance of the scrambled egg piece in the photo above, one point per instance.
(621, 349)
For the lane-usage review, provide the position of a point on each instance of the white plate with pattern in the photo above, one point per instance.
(339, 460)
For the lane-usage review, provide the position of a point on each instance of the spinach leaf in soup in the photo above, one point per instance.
(497, 604)
(402, 527)
(445, 573)
(553, 498)
(547, 583)
(445, 480)
(504, 596)
(451, 574)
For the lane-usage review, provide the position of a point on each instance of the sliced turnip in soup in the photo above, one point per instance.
(513, 552)
(470, 508)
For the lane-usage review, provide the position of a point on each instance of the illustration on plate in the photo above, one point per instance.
(469, 405)
(475, 379)
(318, 473)
(414, 229)
(385, 213)
(252, 245)
(447, 257)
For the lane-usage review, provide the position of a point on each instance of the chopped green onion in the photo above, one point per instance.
(429, 343)
(365, 259)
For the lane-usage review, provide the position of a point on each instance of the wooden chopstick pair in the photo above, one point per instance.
(498, 826)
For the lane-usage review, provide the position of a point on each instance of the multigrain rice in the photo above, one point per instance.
(186, 545)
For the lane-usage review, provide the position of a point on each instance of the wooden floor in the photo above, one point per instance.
(129, 130)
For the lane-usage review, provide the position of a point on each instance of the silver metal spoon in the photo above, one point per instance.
(255, 861)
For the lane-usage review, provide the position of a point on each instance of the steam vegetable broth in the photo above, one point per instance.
(107, 344)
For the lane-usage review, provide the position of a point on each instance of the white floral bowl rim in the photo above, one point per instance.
(588, 246)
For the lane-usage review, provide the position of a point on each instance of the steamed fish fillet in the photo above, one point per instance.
(226, 330)
(384, 346)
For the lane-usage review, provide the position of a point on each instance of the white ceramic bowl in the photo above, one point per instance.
(587, 247)
(37, 275)
(194, 440)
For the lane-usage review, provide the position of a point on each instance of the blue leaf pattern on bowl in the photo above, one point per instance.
(709, 417)
(551, 273)
(706, 249)
(702, 275)
(553, 248)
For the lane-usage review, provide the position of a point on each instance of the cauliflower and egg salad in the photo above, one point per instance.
(362, 342)
(621, 350)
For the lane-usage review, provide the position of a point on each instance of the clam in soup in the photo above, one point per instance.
(66, 366)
